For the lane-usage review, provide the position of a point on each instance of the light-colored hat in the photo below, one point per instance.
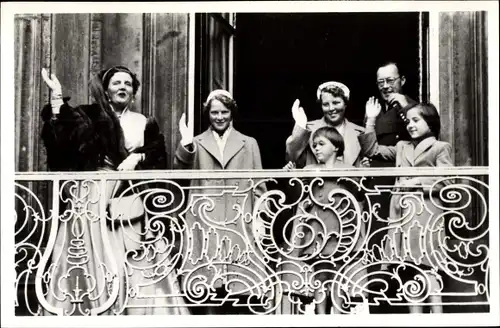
(218, 92)
(333, 84)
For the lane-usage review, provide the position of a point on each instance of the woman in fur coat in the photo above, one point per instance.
(89, 272)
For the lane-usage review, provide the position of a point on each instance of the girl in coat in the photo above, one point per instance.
(409, 231)
(88, 273)
(221, 256)
(331, 229)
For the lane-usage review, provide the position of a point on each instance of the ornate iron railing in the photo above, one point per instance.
(270, 241)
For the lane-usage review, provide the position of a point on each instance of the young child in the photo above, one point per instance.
(332, 229)
(407, 229)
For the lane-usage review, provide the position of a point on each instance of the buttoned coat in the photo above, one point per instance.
(300, 144)
(408, 230)
(226, 205)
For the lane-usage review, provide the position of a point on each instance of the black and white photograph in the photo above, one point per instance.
(296, 163)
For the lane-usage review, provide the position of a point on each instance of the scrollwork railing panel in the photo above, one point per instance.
(255, 240)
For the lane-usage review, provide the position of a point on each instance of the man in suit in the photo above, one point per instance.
(217, 214)
(390, 127)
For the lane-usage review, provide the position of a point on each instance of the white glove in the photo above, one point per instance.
(130, 162)
(298, 114)
(186, 131)
(56, 90)
(372, 108)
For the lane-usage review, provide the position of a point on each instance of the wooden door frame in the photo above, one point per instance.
(201, 61)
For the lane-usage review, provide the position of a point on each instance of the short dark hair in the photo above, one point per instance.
(431, 116)
(332, 135)
(106, 76)
(400, 68)
(228, 102)
(334, 91)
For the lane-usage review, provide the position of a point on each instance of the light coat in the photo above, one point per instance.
(425, 225)
(226, 205)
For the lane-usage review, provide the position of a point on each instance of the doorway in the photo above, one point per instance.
(280, 57)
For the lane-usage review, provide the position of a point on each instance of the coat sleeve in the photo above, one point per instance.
(184, 156)
(357, 162)
(297, 143)
(154, 147)
(371, 148)
(69, 137)
(443, 159)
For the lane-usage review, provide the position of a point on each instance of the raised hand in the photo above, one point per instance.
(56, 100)
(298, 114)
(186, 130)
(52, 82)
(372, 108)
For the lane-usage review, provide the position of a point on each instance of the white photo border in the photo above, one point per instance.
(7, 164)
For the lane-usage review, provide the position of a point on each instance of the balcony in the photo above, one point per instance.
(252, 242)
